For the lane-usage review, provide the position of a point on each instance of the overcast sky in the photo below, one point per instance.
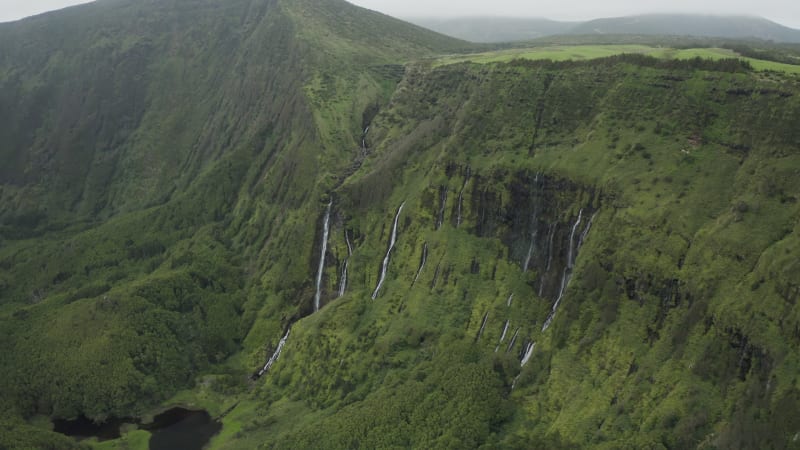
(786, 12)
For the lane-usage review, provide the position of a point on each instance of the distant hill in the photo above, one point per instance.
(738, 27)
(495, 29)
(507, 29)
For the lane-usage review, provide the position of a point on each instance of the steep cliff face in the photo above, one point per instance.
(600, 244)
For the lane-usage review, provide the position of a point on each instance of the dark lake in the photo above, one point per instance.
(180, 428)
(175, 428)
(83, 428)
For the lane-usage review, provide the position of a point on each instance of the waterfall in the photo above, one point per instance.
(422, 263)
(513, 340)
(586, 230)
(564, 282)
(364, 138)
(461, 197)
(530, 253)
(458, 214)
(567, 274)
(349, 245)
(343, 279)
(325, 227)
(570, 250)
(275, 355)
(550, 234)
(392, 240)
(442, 204)
(527, 354)
(510, 297)
(527, 262)
(483, 325)
(502, 336)
(436, 275)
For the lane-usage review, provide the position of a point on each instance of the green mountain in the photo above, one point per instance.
(502, 29)
(286, 213)
(732, 27)
(494, 29)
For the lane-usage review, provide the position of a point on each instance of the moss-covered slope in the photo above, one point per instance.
(161, 160)
(662, 195)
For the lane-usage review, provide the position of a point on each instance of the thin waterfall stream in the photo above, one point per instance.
(343, 278)
(483, 325)
(502, 335)
(422, 263)
(567, 274)
(392, 241)
(325, 229)
(276, 354)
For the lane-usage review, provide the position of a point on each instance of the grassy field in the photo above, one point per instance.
(584, 52)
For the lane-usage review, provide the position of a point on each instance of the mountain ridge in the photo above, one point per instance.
(504, 29)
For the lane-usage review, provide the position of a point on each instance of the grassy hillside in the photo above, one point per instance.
(584, 52)
(594, 253)
(164, 159)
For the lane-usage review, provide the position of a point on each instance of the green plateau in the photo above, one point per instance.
(333, 229)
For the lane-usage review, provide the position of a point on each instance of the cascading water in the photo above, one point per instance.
(276, 354)
(325, 229)
(527, 354)
(364, 138)
(550, 246)
(513, 340)
(422, 262)
(483, 325)
(550, 234)
(392, 241)
(565, 277)
(530, 253)
(461, 197)
(502, 335)
(571, 254)
(436, 275)
(458, 214)
(564, 282)
(510, 297)
(586, 230)
(343, 279)
(442, 204)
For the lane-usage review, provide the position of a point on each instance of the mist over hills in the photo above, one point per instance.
(311, 221)
(498, 29)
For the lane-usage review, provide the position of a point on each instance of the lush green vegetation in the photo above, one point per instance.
(161, 263)
(682, 173)
(584, 52)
